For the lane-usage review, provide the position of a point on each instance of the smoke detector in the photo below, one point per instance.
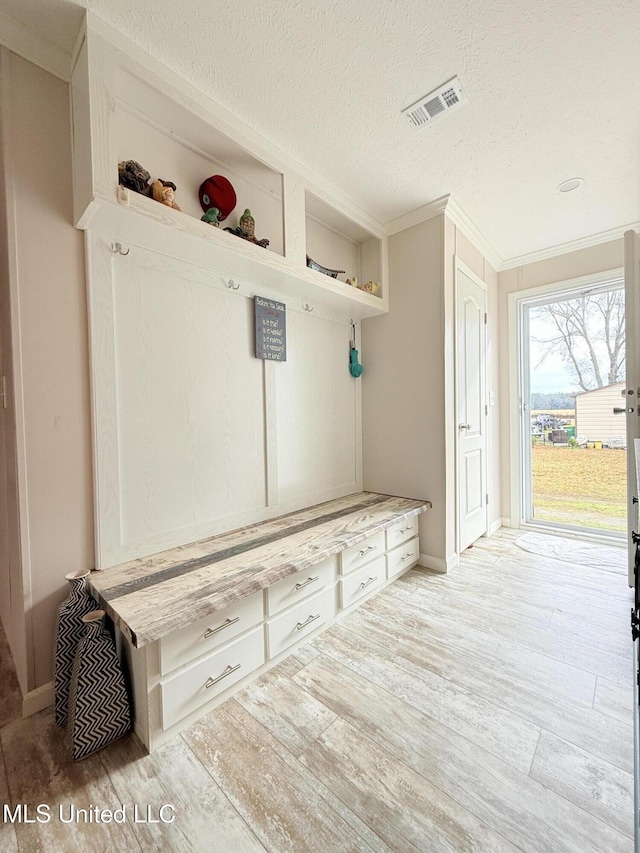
(430, 107)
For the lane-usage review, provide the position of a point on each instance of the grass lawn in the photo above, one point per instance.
(579, 486)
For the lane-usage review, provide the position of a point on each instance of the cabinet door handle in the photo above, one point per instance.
(307, 582)
(366, 550)
(366, 583)
(211, 681)
(224, 625)
(308, 621)
(406, 557)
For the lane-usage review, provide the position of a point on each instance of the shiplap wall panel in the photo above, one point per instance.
(317, 440)
(190, 402)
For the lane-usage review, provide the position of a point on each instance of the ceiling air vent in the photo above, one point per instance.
(436, 103)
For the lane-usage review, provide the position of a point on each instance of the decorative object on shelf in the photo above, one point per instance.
(368, 287)
(217, 191)
(355, 368)
(163, 192)
(247, 230)
(99, 710)
(212, 216)
(69, 630)
(134, 177)
(314, 265)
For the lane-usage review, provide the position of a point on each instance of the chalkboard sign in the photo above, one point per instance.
(271, 329)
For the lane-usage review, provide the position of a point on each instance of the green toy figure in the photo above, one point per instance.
(212, 216)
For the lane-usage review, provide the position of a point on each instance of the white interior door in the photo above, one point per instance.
(632, 403)
(470, 407)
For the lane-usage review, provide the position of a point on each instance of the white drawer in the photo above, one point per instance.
(303, 619)
(203, 636)
(403, 557)
(401, 532)
(200, 682)
(290, 590)
(362, 582)
(356, 556)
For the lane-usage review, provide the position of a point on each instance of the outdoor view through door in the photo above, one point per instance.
(573, 382)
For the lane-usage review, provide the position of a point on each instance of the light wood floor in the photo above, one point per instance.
(485, 710)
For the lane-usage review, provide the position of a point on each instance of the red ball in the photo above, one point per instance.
(217, 191)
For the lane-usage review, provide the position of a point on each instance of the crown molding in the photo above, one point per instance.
(571, 246)
(34, 48)
(448, 205)
(415, 217)
(463, 221)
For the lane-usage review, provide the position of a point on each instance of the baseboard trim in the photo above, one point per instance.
(495, 526)
(37, 700)
(437, 564)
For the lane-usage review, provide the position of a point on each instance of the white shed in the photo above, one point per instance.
(595, 420)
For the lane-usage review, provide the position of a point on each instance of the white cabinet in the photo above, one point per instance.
(402, 558)
(296, 587)
(128, 106)
(199, 683)
(204, 636)
(296, 623)
(356, 556)
(402, 531)
(362, 582)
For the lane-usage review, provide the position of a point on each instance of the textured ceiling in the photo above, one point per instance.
(552, 87)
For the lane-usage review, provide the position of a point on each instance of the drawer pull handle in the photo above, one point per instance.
(224, 625)
(308, 581)
(366, 583)
(308, 621)
(211, 681)
(406, 557)
(404, 529)
(366, 550)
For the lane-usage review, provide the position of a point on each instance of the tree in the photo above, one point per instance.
(588, 333)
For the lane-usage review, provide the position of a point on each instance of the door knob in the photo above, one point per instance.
(618, 411)
(464, 426)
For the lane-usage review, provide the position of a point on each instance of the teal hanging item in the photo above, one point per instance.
(355, 368)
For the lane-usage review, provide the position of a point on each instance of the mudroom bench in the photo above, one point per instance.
(196, 621)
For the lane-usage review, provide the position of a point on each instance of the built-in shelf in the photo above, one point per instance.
(127, 106)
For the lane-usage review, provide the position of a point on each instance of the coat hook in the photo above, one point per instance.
(307, 307)
(231, 283)
(117, 249)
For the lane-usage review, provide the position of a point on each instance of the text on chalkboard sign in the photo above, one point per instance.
(271, 329)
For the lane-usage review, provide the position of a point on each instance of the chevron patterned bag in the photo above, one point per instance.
(99, 710)
(69, 630)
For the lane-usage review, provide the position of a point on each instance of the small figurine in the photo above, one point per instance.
(247, 230)
(212, 216)
(353, 281)
(132, 176)
(370, 287)
(163, 192)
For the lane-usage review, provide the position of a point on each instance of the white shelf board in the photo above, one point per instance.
(130, 218)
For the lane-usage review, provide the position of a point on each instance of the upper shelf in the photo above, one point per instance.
(127, 106)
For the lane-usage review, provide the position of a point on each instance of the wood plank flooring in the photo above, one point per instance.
(485, 710)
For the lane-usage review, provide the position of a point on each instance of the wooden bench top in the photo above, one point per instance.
(151, 597)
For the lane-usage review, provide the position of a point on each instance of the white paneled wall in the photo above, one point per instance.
(317, 404)
(190, 402)
(194, 435)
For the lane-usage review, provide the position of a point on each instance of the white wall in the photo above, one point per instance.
(592, 260)
(50, 399)
(408, 384)
(403, 381)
